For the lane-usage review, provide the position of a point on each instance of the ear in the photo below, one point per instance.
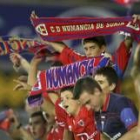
(112, 87)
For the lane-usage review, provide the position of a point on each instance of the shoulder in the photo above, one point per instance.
(120, 101)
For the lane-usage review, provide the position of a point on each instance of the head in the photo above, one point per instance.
(71, 106)
(66, 93)
(89, 93)
(107, 79)
(38, 125)
(94, 46)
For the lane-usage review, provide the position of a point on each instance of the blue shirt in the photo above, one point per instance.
(118, 115)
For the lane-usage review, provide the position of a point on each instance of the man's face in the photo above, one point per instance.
(65, 96)
(104, 84)
(92, 49)
(71, 106)
(91, 101)
(37, 127)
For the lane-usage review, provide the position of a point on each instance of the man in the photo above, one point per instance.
(79, 120)
(115, 115)
(38, 126)
(35, 131)
(107, 78)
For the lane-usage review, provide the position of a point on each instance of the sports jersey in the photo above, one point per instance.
(121, 57)
(118, 115)
(61, 114)
(83, 125)
(60, 119)
(55, 134)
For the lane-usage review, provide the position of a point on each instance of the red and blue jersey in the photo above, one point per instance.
(118, 116)
(83, 125)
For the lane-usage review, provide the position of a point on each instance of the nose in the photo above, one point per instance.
(88, 53)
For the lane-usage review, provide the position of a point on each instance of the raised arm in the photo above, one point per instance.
(129, 40)
(32, 75)
(19, 62)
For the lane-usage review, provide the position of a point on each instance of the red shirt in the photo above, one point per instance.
(55, 134)
(121, 56)
(83, 125)
(61, 114)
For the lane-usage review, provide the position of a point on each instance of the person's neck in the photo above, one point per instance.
(103, 99)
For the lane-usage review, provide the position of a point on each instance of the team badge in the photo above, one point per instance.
(81, 123)
(41, 29)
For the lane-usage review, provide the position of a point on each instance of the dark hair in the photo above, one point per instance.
(69, 88)
(109, 73)
(99, 40)
(57, 63)
(87, 84)
(38, 113)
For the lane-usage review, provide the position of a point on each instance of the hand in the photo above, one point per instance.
(136, 18)
(14, 119)
(15, 59)
(23, 78)
(21, 85)
(108, 55)
(33, 15)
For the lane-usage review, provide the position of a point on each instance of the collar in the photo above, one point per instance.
(105, 106)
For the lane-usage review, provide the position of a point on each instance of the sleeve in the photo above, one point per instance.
(121, 57)
(61, 115)
(128, 113)
(69, 56)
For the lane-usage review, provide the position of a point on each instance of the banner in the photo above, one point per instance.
(58, 77)
(57, 29)
(10, 44)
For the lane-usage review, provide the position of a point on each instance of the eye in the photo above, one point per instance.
(92, 47)
(87, 102)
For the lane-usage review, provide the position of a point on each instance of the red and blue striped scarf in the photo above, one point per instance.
(57, 29)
